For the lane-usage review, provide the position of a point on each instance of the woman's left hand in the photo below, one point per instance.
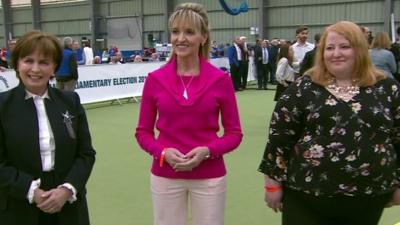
(195, 156)
(54, 200)
(274, 200)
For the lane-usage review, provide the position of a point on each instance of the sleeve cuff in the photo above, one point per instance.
(73, 191)
(34, 185)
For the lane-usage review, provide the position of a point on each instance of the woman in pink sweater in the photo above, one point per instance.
(183, 100)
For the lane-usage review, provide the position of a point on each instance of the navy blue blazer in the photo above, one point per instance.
(20, 160)
(232, 56)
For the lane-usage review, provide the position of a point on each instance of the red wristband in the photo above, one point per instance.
(271, 189)
(162, 157)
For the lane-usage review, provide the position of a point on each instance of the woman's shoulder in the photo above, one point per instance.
(387, 87)
(303, 86)
(305, 80)
(162, 69)
(380, 52)
(283, 60)
(6, 96)
(67, 97)
(387, 82)
(388, 53)
(12, 94)
(212, 70)
(161, 74)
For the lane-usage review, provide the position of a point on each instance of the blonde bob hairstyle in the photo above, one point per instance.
(381, 41)
(365, 74)
(195, 16)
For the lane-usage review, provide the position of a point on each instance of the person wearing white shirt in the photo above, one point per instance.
(46, 153)
(285, 73)
(301, 47)
(88, 52)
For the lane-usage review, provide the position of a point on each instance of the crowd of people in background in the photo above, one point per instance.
(86, 55)
(297, 57)
(276, 62)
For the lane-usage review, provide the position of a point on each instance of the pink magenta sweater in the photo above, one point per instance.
(186, 124)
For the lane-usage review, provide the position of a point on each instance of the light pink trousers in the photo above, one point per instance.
(173, 197)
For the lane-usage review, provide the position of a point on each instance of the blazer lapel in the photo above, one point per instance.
(31, 132)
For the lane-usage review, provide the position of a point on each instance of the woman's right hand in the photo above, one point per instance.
(174, 156)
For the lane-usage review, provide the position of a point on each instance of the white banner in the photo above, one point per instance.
(105, 82)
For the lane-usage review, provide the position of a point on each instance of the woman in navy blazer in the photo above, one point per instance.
(46, 153)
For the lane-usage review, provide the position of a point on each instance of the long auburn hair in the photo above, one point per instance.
(365, 72)
(284, 53)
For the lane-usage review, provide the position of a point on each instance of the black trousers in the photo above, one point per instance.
(244, 68)
(304, 209)
(235, 76)
(262, 75)
(48, 182)
(272, 72)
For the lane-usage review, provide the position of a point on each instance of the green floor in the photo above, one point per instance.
(118, 190)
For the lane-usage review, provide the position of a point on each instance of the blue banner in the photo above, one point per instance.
(234, 11)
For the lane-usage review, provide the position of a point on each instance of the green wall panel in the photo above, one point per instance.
(20, 29)
(72, 12)
(281, 16)
(21, 15)
(153, 23)
(123, 8)
(153, 7)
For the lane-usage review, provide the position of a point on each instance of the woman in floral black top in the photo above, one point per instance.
(333, 155)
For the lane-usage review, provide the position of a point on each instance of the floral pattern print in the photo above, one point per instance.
(325, 146)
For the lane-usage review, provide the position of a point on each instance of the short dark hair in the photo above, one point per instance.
(317, 36)
(301, 29)
(46, 44)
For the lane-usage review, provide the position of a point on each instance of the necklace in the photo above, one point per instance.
(345, 93)
(185, 87)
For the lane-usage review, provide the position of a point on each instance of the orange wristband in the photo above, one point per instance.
(162, 158)
(271, 189)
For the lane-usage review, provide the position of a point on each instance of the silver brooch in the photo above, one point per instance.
(67, 119)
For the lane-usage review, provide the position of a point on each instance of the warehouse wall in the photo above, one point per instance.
(273, 18)
(283, 16)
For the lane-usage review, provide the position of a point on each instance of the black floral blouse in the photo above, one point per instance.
(322, 145)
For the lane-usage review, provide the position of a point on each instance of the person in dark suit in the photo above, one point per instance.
(234, 57)
(273, 50)
(46, 153)
(261, 58)
(308, 60)
(244, 62)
